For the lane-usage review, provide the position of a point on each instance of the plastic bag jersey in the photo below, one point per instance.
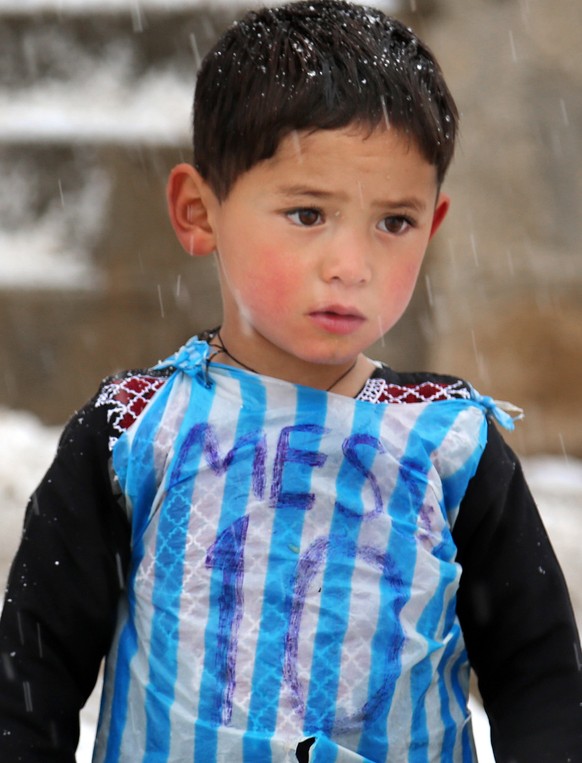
(293, 575)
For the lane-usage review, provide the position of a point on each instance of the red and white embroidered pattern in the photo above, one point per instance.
(126, 398)
(380, 391)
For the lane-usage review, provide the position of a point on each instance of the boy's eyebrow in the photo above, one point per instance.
(315, 193)
(303, 190)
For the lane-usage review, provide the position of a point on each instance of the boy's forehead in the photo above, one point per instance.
(306, 158)
(325, 145)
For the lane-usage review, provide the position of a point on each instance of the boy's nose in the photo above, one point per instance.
(347, 261)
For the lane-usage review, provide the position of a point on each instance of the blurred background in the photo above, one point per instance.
(95, 107)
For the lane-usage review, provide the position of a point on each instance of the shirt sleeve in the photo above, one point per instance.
(517, 618)
(61, 598)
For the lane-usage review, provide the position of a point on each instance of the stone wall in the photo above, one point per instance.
(95, 188)
(500, 298)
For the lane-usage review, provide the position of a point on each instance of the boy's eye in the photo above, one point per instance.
(305, 216)
(395, 224)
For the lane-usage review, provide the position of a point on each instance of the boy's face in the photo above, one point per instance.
(319, 248)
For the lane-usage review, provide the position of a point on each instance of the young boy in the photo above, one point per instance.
(286, 550)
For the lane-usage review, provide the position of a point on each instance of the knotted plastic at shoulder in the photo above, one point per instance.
(504, 413)
(192, 359)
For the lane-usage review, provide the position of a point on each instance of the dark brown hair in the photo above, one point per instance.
(315, 65)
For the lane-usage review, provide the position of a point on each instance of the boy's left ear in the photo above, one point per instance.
(189, 205)
(440, 212)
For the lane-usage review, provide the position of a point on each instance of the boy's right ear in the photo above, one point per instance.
(189, 200)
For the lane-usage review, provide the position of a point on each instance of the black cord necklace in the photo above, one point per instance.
(220, 347)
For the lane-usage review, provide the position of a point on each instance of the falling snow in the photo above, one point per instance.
(151, 115)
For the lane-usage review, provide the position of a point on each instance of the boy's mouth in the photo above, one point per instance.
(337, 319)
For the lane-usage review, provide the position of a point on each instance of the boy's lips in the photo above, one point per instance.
(337, 319)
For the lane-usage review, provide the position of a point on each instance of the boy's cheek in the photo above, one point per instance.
(275, 279)
(274, 294)
(405, 276)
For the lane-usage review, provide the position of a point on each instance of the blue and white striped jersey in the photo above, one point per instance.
(293, 574)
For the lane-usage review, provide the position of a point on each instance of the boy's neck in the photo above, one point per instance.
(342, 378)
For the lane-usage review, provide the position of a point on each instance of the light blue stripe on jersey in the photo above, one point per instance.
(455, 484)
(446, 678)
(169, 567)
(422, 672)
(226, 560)
(138, 480)
(467, 738)
(342, 549)
(428, 433)
(294, 480)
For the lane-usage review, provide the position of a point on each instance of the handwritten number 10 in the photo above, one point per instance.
(227, 555)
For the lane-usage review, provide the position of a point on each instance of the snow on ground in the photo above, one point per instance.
(26, 449)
